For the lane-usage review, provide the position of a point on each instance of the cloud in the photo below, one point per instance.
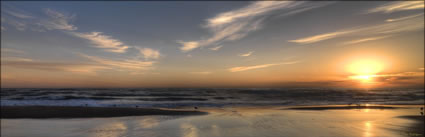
(407, 25)
(103, 41)
(400, 78)
(188, 46)
(404, 18)
(364, 40)
(149, 53)
(321, 37)
(126, 64)
(21, 26)
(398, 6)
(58, 21)
(236, 24)
(245, 68)
(16, 59)
(24, 63)
(201, 72)
(12, 51)
(54, 21)
(216, 48)
(246, 54)
(16, 12)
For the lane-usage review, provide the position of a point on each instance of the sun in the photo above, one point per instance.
(365, 70)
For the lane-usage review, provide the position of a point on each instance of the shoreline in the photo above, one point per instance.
(343, 107)
(44, 112)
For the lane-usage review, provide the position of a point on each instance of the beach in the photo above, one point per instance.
(240, 121)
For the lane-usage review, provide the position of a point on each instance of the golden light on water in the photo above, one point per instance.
(368, 129)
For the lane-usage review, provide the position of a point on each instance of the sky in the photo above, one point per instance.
(377, 44)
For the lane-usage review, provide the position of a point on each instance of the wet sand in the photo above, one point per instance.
(399, 121)
(85, 112)
(339, 107)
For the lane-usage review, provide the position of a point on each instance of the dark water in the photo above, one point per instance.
(211, 97)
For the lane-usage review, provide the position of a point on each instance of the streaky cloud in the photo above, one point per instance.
(25, 63)
(122, 64)
(404, 18)
(246, 54)
(19, 25)
(321, 37)
(103, 41)
(12, 51)
(216, 48)
(387, 28)
(58, 21)
(245, 68)
(398, 6)
(236, 24)
(17, 13)
(364, 40)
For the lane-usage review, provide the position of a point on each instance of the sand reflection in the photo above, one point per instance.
(149, 122)
(114, 129)
(188, 130)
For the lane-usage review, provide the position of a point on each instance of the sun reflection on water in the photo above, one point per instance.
(368, 129)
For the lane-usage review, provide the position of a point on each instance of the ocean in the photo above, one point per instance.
(206, 97)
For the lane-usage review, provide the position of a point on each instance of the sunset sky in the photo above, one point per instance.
(212, 44)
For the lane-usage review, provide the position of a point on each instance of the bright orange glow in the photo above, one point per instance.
(363, 78)
(365, 67)
(365, 70)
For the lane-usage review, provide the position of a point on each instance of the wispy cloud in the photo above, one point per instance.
(245, 68)
(21, 26)
(16, 59)
(12, 51)
(364, 40)
(321, 37)
(126, 64)
(22, 21)
(246, 54)
(398, 6)
(201, 72)
(103, 41)
(236, 24)
(25, 63)
(404, 18)
(216, 48)
(406, 25)
(188, 46)
(149, 53)
(17, 13)
(58, 21)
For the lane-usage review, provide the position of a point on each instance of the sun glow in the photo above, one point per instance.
(365, 70)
